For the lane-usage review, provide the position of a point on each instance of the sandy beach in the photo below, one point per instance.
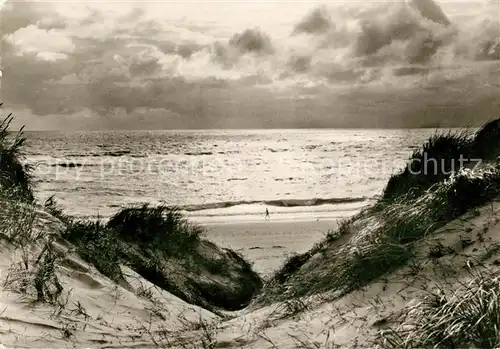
(267, 244)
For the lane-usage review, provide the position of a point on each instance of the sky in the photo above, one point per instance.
(77, 65)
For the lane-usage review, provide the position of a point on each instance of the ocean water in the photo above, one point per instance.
(220, 176)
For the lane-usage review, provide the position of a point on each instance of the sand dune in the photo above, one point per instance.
(100, 314)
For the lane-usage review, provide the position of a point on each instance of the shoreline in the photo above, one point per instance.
(255, 214)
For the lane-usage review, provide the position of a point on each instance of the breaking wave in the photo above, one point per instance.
(70, 164)
(277, 203)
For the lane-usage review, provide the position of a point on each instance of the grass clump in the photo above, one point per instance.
(441, 156)
(18, 220)
(52, 207)
(167, 250)
(358, 269)
(161, 227)
(94, 241)
(468, 317)
(149, 229)
(292, 264)
(436, 160)
(36, 278)
(468, 189)
(487, 141)
(33, 273)
(296, 261)
(15, 177)
(98, 245)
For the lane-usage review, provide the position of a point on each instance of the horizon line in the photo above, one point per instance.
(246, 129)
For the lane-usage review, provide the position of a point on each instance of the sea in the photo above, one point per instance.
(220, 176)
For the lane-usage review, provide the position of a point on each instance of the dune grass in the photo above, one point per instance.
(160, 227)
(388, 241)
(105, 244)
(33, 272)
(434, 162)
(464, 191)
(15, 177)
(466, 317)
(146, 238)
(383, 238)
(97, 245)
(151, 228)
(441, 156)
(94, 241)
(487, 141)
(18, 218)
(294, 262)
(32, 277)
(17, 222)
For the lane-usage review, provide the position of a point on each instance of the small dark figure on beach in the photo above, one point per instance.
(267, 214)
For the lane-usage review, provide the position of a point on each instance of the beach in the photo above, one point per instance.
(267, 244)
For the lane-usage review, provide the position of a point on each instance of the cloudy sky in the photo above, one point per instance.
(166, 64)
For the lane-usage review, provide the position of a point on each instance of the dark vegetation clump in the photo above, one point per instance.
(167, 250)
(138, 236)
(487, 141)
(161, 227)
(94, 241)
(296, 261)
(465, 191)
(18, 224)
(363, 267)
(435, 161)
(441, 156)
(55, 210)
(247, 283)
(15, 177)
(98, 245)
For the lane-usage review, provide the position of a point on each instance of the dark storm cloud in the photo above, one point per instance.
(29, 81)
(101, 66)
(91, 75)
(252, 40)
(148, 66)
(316, 22)
(16, 15)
